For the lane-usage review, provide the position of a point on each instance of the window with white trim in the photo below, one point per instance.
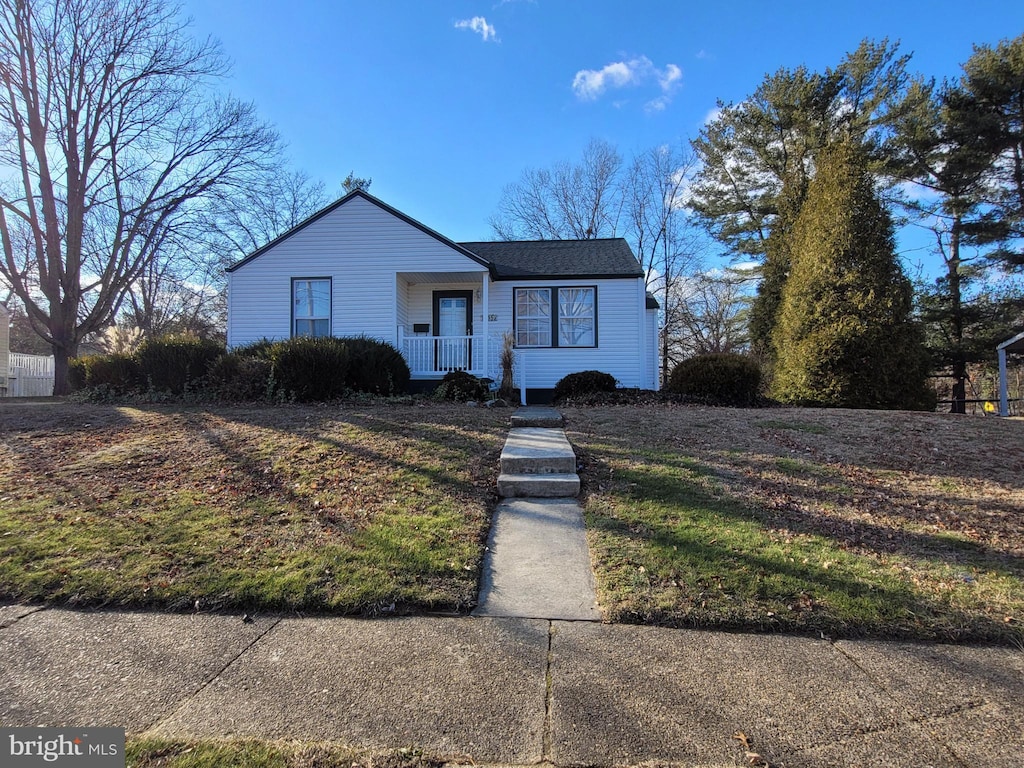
(576, 317)
(311, 307)
(570, 320)
(533, 317)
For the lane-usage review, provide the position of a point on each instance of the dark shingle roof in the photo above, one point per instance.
(543, 259)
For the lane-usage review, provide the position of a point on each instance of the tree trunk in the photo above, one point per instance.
(957, 322)
(61, 385)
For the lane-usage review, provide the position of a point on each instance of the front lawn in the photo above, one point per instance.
(845, 523)
(350, 509)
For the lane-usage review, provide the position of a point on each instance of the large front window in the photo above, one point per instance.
(570, 320)
(311, 307)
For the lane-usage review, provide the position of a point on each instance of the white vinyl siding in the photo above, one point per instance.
(361, 247)
(619, 334)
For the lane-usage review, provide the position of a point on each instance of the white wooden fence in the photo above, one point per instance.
(28, 376)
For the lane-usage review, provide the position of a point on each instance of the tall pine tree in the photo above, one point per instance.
(844, 335)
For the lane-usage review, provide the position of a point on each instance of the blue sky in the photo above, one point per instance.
(442, 111)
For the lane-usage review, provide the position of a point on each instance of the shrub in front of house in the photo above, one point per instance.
(311, 369)
(237, 378)
(325, 368)
(719, 378)
(115, 373)
(583, 383)
(376, 367)
(460, 387)
(171, 363)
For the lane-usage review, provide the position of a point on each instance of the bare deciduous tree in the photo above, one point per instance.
(110, 141)
(570, 201)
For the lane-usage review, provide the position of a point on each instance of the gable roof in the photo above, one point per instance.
(337, 204)
(546, 259)
(505, 259)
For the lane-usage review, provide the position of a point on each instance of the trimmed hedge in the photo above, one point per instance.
(584, 383)
(313, 369)
(171, 363)
(117, 373)
(237, 378)
(305, 369)
(719, 378)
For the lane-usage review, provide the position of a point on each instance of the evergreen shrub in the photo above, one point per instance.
(584, 383)
(238, 378)
(116, 373)
(375, 367)
(460, 387)
(720, 378)
(170, 363)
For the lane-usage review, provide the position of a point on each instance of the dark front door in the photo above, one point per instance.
(453, 321)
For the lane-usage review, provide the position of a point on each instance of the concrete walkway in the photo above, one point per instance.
(516, 691)
(537, 564)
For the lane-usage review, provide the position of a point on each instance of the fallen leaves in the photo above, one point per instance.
(752, 757)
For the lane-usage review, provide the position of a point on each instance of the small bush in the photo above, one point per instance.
(459, 386)
(583, 383)
(236, 378)
(170, 363)
(719, 378)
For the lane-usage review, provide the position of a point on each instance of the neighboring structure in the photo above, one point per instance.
(361, 267)
(1010, 346)
(5, 348)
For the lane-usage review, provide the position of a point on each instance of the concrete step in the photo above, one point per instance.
(536, 417)
(537, 450)
(549, 486)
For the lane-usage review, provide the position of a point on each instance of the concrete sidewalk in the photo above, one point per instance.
(516, 691)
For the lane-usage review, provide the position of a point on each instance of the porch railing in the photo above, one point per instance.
(433, 355)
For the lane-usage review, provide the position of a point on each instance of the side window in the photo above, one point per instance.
(311, 306)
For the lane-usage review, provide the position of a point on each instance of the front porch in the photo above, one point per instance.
(444, 323)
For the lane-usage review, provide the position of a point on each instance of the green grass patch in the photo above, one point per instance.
(673, 547)
(293, 508)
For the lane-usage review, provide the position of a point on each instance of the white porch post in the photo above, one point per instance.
(485, 309)
(1004, 400)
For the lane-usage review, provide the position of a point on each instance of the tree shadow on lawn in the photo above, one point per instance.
(715, 549)
(445, 461)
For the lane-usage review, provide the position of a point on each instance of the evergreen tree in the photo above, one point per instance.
(755, 148)
(987, 107)
(764, 309)
(844, 335)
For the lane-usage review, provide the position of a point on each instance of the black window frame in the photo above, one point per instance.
(330, 305)
(554, 303)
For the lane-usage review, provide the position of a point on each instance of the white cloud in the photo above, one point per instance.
(712, 115)
(479, 25)
(669, 77)
(589, 84)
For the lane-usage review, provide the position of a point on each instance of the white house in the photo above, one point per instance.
(361, 267)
